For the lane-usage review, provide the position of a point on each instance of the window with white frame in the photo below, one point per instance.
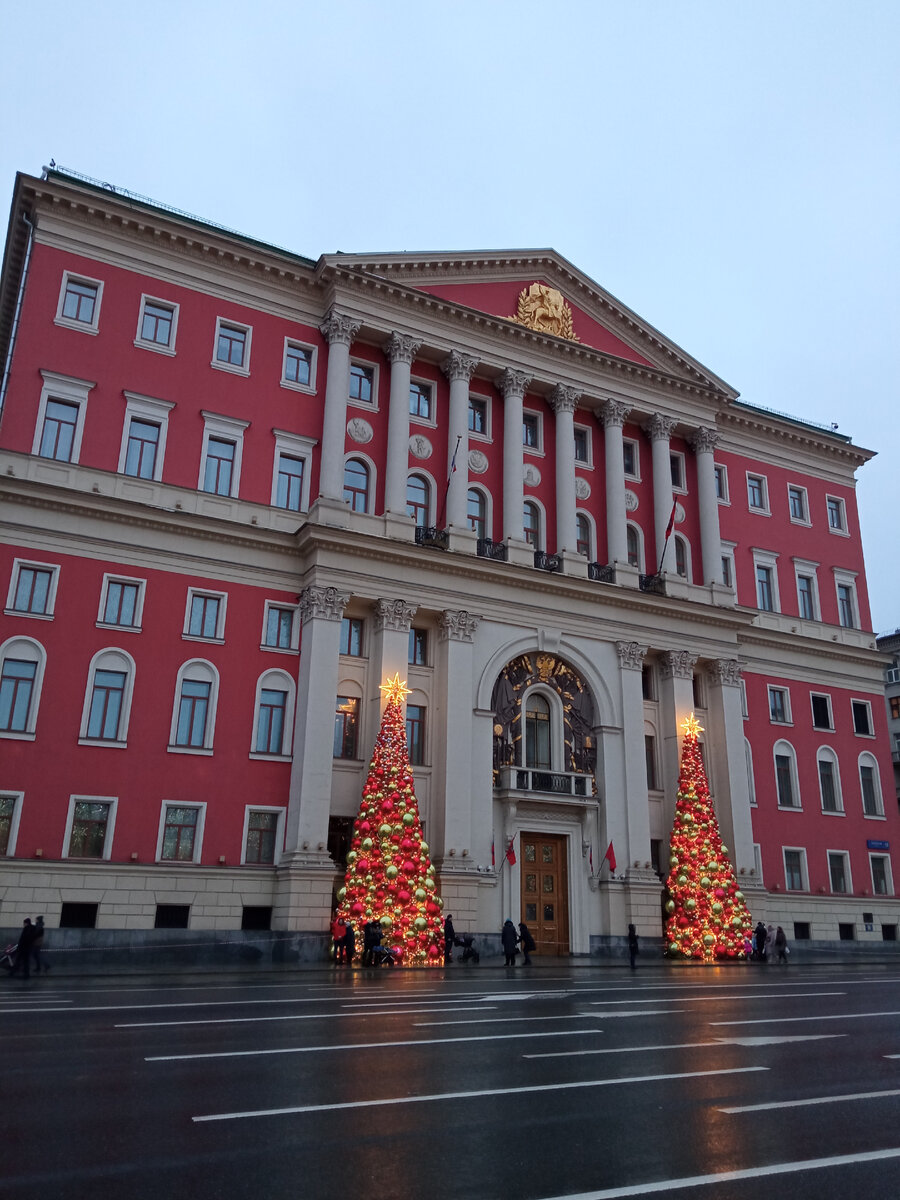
(181, 832)
(476, 512)
(32, 589)
(122, 602)
(845, 588)
(780, 706)
(837, 514)
(10, 812)
(583, 446)
(415, 733)
(758, 493)
(79, 302)
(795, 877)
(421, 401)
(346, 727)
(479, 417)
(204, 615)
(90, 825)
(60, 421)
(721, 476)
(828, 769)
(352, 642)
(584, 535)
(532, 431)
(144, 433)
(194, 713)
(870, 786)
(821, 710)
(839, 871)
(418, 499)
(231, 350)
(651, 758)
(861, 713)
(157, 325)
(221, 454)
(880, 868)
(798, 504)
(748, 762)
(107, 701)
(634, 545)
(281, 627)
(363, 388)
(729, 571)
(543, 729)
(531, 524)
(298, 366)
(273, 715)
(766, 571)
(631, 458)
(805, 573)
(787, 786)
(358, 488)
(263, 836)
(745, 712)
(22, 663)
(682, 557)
(292, 471)
(676, 467)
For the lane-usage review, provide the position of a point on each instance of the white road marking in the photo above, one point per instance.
(748, 1041)
(701, 999)
(288, 1017)
(744, 1108)
(607, 1016)
(444, 1041)
(786, 1020)
(695, 1181)
(514, 1091)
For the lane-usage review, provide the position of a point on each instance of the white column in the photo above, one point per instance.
(635, 847)
(453, 731)
(704, 444)
(388, 654)
(321, 609)
(725, 746)
(676, 701)
(339, 331)
(401, 350)
(563, 401)
(459, 369)
(659, 430)
(613, 415)
(512, 385)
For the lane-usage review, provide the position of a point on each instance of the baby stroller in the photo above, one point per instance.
(8, 957)
(469, 953)
(383, 956)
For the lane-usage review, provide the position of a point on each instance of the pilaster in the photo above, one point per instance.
(400, 349)
(704, 444)
(563, 401)
(459, 369)
(512, 385)
(453, 740)
(613, 415)
(339, 331)
(725, 746)
(659, 430)
(676, 702)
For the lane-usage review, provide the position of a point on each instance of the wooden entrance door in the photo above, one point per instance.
(545, 891)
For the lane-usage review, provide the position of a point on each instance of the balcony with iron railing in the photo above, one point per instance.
(432, 537)
(571, 786)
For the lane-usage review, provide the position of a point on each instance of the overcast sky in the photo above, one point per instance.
(727, 170)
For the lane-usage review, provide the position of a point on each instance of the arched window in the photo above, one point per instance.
(477, 512)
(273, 714)
(194, 714)
(870, 786)
(107, 700)
(22, 662)
(829, 780)
(634, 545)
(787, 786)
(583, 538)
(418, 499)
(537, 732)
(356, 485)
(532, 524)
(682, 557)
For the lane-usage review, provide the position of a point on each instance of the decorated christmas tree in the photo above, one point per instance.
(389, 877)
(708, 919)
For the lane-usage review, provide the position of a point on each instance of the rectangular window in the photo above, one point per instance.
(765, 593)
(157, 322)
(179, 833)
(531, 431)
(648, 682)
(801, 931)
(279, 627)
(793, 870)
(477, 415)
(58, 434)
(289, 490)
(582, 447)
(217, 472)
(140, 453)
(106, 705)
(756, 493)
(298, 364)
(676, 466)
(193, 711)
(895, 708)
(204, 616)
(727, 572)
(122, 603)
(418, 647)
(650, 759)
(721, 482)
(415, 733)
(821, 712)
(7, 815)
(837, 872)
(32, 592)
(869, 791)
(79, 302)
(420, 401)
(231, 345)
(837, 519)
(256, 916)
(797, 505)
(87, 838)
(16, 688)
(172, 916)
(346, 725)
(806, 597)
(362, 382)
(74, 915)
(630, 458)
(784, 781)
(262, 832)
(862, 717)
(880, 886)
(779, 706)
(351, 636)
(270, 725)
(826, 786)
(846, 605)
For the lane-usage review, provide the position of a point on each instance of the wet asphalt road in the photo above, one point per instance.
(732, 1084)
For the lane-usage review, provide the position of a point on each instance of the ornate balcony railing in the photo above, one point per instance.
(487, 548)
(434, 538)
(601, 572)
(558, 783)
(652, 583)
(547, 562)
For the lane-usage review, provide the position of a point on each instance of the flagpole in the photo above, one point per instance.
(669, 528)
(440, 522)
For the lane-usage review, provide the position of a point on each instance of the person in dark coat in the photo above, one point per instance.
(371, 939)
(759, 938)
(632, 945)
(526, 941)
(349, 944)
(449, 938)
(40, 963)
(781, 950)
(23, 950)
(509, 938)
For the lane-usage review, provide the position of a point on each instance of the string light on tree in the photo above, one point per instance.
(707, 917)
(390, 876)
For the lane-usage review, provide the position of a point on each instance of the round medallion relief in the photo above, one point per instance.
(631, 500)
(531, 475)
(582, 488)
(359, 430)
(478, 462)
(419, 446)
(679, 513)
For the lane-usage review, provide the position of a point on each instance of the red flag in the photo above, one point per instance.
(671, 524)
(610, 857)
(510, 853)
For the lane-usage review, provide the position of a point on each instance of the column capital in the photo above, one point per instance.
(659, 428)
(325, 602)
(704, 441)
(458, 626)
(339, 328)
(677, 664)
(631, 655)
(400, 347)
(724, 672)
(563, 398)
(396, 615)
(613, 412)
(513, 383)
(459, 366)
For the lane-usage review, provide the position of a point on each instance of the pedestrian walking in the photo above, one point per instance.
(526, 941)
(632, 945)
(449, 938)
(349, 943)
(759, 939)
(781, 946)
(338, 930)
(40, 963)
(769, 947)
(371, 939)
(508, 938)
(23, 950)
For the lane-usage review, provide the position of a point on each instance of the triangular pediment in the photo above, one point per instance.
(540, 290)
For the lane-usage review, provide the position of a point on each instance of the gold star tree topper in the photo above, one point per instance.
(395, 689)
(691, 726)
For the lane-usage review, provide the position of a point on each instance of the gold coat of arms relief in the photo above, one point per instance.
(544, 310)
